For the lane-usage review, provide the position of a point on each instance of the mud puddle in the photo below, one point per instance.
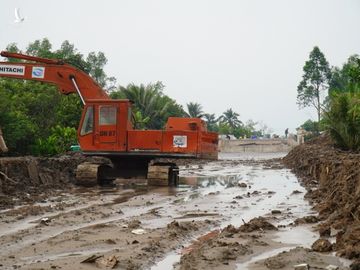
(240, 193)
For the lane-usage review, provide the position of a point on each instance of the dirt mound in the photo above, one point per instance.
(302, 258)
(26, 178)
(216, 249)
(213, 253)
(332, 178)
(322, 245)
(306, 220)
(257, 224)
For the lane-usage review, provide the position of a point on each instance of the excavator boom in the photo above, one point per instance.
(67, 78)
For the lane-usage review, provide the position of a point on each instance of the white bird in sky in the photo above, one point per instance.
(18, 18)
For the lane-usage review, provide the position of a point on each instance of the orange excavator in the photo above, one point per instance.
(106, 127)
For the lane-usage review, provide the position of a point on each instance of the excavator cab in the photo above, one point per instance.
(104, 125)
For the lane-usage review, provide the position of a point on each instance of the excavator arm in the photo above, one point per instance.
(67, 78)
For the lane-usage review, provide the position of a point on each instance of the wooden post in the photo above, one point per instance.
(3, 147)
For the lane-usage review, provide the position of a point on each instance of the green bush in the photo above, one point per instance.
(58, 142)
(343, 119)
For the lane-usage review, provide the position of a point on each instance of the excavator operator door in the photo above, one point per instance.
(110, 133)
(102, 129)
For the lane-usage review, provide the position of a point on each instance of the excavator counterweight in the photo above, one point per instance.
(106, 127)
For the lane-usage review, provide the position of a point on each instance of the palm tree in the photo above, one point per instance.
(231, 118)
(150, 101)
(194, 110)
(211, 121)
(139, 121)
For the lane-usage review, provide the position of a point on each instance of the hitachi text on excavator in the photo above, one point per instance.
(106, 127)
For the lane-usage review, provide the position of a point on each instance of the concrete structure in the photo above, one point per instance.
(257, 145)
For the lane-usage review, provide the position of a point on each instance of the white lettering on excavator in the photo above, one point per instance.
(12, 70)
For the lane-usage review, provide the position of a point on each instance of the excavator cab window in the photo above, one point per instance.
(88, 123)
(107, 115)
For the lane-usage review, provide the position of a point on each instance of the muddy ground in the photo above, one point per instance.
(332, 179)
(235, 213)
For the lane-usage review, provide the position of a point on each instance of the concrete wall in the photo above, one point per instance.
(257, 146)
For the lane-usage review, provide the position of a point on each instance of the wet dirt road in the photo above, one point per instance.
(165, 228)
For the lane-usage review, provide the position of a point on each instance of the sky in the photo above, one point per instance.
(246, 55)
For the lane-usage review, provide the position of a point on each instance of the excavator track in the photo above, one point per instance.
(163, 174)
(87, 174)
(91, 174)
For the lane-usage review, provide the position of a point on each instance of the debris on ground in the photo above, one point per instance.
(138, 231)
(45, 221)
(306, 220)
(242, 185)
(303, 266)
(322, 245)
(107, 262)
(257, 224)
(134, 224)
(91, 259)
(332, 267)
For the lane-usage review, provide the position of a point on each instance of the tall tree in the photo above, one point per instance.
(40, 48)
(97, 61)
(211, 121)
(194, 110)
(314, 82)
(70, 55)
(342, 117)
(346, 78)
(231, 118)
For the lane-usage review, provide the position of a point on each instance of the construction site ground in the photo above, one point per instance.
(240, 212)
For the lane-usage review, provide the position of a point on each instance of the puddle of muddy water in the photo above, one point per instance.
(252, 155)
(222, 189)
(218, 191)
(168, 262)
(300, 235)
(262, 256)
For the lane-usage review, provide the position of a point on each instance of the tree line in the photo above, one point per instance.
(335, 94)
(36, 119)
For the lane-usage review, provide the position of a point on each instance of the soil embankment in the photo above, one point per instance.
(332, 178)
(27, 179)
